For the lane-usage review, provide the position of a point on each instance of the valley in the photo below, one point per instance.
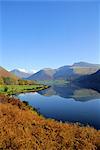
(49, 75)
(50, 104)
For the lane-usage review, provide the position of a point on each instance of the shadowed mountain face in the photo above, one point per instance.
(20, 74)
(66, 72)
(71, 91)
(89, 81)
(45, 74)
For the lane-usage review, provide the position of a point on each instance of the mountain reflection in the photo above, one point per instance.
(71, 91)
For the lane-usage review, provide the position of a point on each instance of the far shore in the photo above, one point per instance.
(17, 89)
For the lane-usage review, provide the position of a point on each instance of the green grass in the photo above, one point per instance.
(14, 89)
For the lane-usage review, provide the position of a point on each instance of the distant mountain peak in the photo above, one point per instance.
(22, 70)
(84, 64)
(21, 73)
(47, 69)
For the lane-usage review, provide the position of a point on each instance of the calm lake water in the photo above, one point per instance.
(67, 103)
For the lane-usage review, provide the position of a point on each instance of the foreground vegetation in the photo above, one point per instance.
(15, 89)
(21, 128)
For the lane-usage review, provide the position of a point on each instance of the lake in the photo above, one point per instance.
(67, 104)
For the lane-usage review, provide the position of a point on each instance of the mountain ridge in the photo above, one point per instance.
(45, 74)
(67, 72)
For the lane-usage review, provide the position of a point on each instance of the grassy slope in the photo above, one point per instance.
(85, 70)
(21, 128)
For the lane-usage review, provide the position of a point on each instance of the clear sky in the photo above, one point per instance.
(48, 34)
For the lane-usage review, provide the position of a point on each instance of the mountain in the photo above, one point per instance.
(85, 64)
(84, 68)
(68, 72)
(44, 74)
(76, 70)
(7, 77)
(20, 74)
(64, 73)
(89, 81)
(5, 73)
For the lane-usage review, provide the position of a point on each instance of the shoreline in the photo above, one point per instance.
(17, 89)
(27, 106)
(21, 127)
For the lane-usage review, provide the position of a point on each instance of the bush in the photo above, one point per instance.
(5, 89)
(26, 103)
(24, 129)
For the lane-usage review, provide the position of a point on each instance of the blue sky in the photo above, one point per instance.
(48, 34)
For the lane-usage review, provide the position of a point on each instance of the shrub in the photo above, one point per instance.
(26, 103)
(5, 89)
(23, 129)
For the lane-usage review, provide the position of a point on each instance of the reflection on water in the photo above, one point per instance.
(77, 93)
(67, 103)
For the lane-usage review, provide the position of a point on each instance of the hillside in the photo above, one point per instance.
(65, 73)
(75, 70)
(68, 72)
(85, 64)
(90, 81)
(20, 74)
(45, 74)
(5, 73)
(7, 78)
(22, 128)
